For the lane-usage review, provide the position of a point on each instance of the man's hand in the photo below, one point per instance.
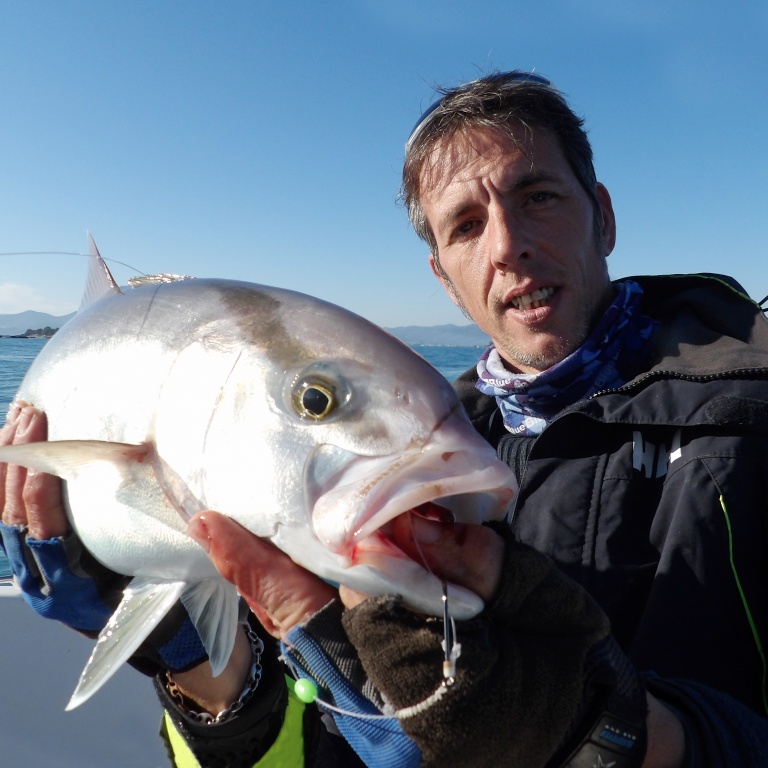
(470, 556)
(540, 658)
(48, 560)
(29, 498)
(280, 593)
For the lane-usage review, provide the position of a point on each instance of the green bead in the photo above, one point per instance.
(305, 690)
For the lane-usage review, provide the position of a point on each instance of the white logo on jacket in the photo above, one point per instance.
(651, 459)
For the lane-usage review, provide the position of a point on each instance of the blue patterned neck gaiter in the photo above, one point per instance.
(610, 357)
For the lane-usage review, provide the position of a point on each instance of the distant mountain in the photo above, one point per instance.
(13, 325)
(441, 335)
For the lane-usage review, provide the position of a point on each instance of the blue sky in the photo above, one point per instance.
(263, 141)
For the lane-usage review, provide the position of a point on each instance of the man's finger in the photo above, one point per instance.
(32, 498)
(14, 511)
(13, 477)
(350, 597)
(468, 555)
(46, 517)
(279, 592)
(7, 434)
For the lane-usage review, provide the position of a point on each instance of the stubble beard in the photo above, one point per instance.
(519, 357)
(532, 357)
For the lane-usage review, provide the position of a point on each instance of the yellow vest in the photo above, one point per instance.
(286, 752)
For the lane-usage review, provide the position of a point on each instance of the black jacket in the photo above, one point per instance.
(654, 496)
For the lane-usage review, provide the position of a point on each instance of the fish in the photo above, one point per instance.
(302, 421)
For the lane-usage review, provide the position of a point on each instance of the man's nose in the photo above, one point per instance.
(508, 242)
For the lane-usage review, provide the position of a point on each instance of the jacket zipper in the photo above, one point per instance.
(735, 374)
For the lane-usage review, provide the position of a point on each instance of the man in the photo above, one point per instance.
(635, 415)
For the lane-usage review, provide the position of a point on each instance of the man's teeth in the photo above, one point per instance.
(533, 300)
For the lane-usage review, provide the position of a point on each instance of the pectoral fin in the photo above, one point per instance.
(213, 608)
(144, 604)
(70, 458)
(138, 475)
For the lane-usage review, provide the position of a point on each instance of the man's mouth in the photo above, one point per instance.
(534, 300)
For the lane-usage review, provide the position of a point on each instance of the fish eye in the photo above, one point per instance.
(319, 392)
(314, 400)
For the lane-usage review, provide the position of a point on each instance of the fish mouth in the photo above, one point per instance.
(455, 476)
(381, 542)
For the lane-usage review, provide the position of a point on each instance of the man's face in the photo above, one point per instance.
(517, 243)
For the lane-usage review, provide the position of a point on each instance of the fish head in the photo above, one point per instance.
(347, 428)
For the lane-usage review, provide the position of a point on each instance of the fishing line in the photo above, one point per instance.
(451, 648)
(70, 253)
(306, 689)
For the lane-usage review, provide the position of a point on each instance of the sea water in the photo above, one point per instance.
(16, 355)
(451, 361)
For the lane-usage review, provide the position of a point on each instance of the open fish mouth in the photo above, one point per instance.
(380, 544)
(454, 477)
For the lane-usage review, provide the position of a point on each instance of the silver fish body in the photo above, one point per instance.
(305, 423)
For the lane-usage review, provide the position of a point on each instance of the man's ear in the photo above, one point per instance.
(447, 283)
(439, 273)
(436, 270)
(608, 220)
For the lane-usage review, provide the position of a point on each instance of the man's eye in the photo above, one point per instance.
(540, 197)
(466, 227)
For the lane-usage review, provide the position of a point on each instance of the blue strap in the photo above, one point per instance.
(380, 743)
(184, 649)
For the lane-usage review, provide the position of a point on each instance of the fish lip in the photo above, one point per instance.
(455, 469)
(454, 493)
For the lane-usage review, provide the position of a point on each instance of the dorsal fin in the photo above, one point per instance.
(99, 282)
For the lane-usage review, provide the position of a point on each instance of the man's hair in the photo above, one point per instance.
(504, 102)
